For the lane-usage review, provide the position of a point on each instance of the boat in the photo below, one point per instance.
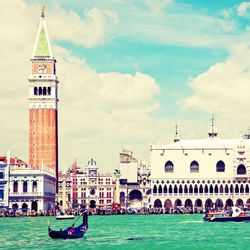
(65, 217)
(235, 215)
(71, 232)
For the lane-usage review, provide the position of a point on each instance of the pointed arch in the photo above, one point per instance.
(165, 190)
(185, 189)
(170, 190)
(241, 189)
(231, 189)
(206, 189)
(194, 166)
(188, 203)
(201, 189)
(154, 190)
(157, 203)
(247, 189)
(219, 203)
(226, 189)
(198, 203)
(195, 189)
(239, 203)
(221, 189)
(44, 91)
(190, 189)
(180, 189)
(216, 190)
(169, 166)
(35, 91)
(229, 203)
(40, 91)
(175, 189)
(241, 169)
(211, 189)
(236, 189)
(208, 204)
(160, 190)
(220, 166)
(177, 203)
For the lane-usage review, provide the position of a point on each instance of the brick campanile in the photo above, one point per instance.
(43, 103)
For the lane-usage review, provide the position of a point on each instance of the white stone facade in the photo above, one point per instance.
(200, 173)
(31, 189)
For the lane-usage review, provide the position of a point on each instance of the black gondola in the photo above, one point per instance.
(71, 232)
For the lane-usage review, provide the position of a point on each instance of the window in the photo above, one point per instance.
(1, 175)
(1, 195)
(220, 166)
(15, 187)
(194, 166)
(169, 166)
(25, 187)
(241, 169)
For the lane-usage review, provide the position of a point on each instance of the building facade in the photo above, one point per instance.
(4, 181)
(85, 186)
(31, 189)
(43, 103)
(198, 174)
(134, 189)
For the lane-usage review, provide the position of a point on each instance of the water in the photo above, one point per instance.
(127, 232)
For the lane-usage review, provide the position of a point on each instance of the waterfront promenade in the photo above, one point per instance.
(155, 232)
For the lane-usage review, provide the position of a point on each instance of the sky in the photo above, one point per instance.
(129, 71)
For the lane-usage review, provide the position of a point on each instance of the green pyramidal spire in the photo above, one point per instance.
(42, 46)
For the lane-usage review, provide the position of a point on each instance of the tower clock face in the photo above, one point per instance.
(42, 68)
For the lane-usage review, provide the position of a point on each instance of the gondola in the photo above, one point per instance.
(71, 232)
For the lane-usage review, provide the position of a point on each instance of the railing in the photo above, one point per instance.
(25, 194)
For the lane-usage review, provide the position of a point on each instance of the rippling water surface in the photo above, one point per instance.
(127, 232)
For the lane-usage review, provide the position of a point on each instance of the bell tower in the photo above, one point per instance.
(43, 103)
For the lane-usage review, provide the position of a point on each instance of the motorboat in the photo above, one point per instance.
(236, 214)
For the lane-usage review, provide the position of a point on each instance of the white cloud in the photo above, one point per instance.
(89, 31)
(242, 9)
(224, 90)
(99, 113)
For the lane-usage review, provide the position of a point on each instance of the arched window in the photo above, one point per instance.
(247, 189)
(49, 90)
(15, 187)
(35, 91)
(165, 189)
(190, 189)
(241, 189)
(169, 166)
(175, 189)
(180, 189)
(170, 190)
(201, 189)
(241, 169)
(226, 189)
(44, 91)
(211, 189)
(236, 189)
(160, 189)
(220, 166)
(155, 190)
(221, 189)
(40, 91)
(195, 189)
(25, 187)
(206, 189)
(194, 166)
(185, 189)
(34, 186)
(231, 189)
(216, 189)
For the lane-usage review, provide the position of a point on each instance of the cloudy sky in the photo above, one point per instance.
(129, 71)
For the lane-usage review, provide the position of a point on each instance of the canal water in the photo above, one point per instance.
(147, 232)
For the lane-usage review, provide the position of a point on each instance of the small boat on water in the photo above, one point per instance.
(235, 215)
(65, 217)
(71, 232)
